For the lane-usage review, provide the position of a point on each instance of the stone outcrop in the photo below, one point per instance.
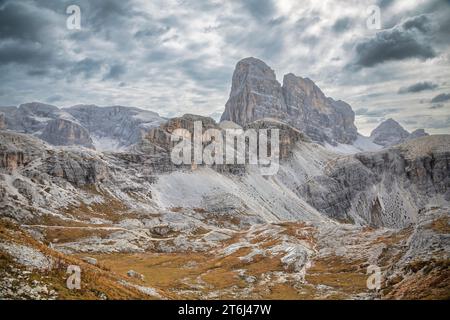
(160, 136)
(79, 167)
(11, 159)
(60, 132)
(76, 169)
(17, 150)
(289, 136)
(2, 121)
(256, 94)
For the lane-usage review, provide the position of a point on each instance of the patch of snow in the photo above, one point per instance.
(361, 144)
(147, 116)
(41, 119)
(107, 144)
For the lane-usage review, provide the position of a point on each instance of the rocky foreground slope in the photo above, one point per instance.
(310, 231)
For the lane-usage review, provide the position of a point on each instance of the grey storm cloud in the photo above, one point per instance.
(342, 24)
(151, 32)
(384, 3)
(115, 72)
(20, 21)
(178, 56)
(25, 35)
(31, 53)
(443, 97)
(259, 9)
(303, 23)
(420, 22)
(418, 87)
(54, 98)
(361, 111)
(87, 67)
(430, 122)
(196, 70)
(408, 40)
(374, 113)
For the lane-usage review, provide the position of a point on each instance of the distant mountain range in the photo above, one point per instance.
(105, 128)
(255, 94)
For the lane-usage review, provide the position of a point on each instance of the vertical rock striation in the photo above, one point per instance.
(256, 94)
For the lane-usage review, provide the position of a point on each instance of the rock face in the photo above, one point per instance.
(321, 118)
(115, 126)
(160, 136)
(256, 94)
(390, 132)
(76, 169)
(60, 132)
(2, 121)
(31, 117)
(17, 150)
(385, 188)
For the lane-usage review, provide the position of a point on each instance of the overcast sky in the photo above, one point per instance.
(178, 56)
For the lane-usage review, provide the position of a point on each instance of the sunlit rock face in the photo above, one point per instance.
(256, 94)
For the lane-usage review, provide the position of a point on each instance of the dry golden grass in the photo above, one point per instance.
(173, 272)
(192, 275)
(110, 208)
(95, 280)
(63, 235)
(283, 291)
(346, 276)
(427, 280)
(441, 225)
(222, 220)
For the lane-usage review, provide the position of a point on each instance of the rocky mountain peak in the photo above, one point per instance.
(391, 123)
(390, 132)
(299, 102)
(418, 133)
(38, 108)
(253, 67)
(255, 93)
